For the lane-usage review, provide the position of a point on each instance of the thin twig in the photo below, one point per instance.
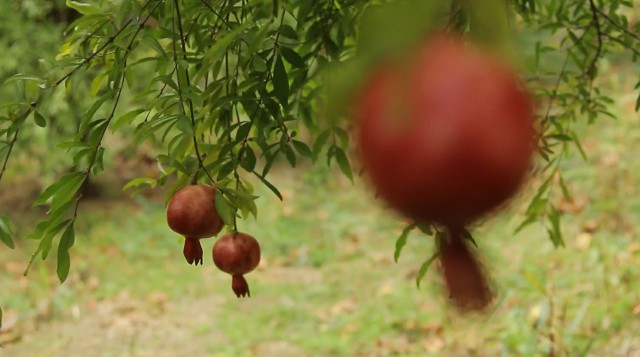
(596, 24)
(104, 45)
(98, 144)
(614, 23)
(178, 20)
(6, 158)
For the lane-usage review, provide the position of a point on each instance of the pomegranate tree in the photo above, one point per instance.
(192, 213)
(446, 137)
(237, 254)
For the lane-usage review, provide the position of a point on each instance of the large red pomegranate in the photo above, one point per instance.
(237, 254)
(446, 136)
(192, 213)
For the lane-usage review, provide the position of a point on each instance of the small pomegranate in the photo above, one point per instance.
(447, 136)
(463, 274)
(192, 213)
(237, 254)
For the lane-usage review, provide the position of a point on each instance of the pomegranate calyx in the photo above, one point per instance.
(463, 274)
(192, 251)
(240, 286)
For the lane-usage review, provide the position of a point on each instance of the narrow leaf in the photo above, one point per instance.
(84, 9)
(66, 192)
(302, 148)
(269, 185)
(343, 162)
(54, 187)
(39, 119)
(424, 267)
(402, 241)
(224, 209)
(6, 231)
(280, 82)
(64, 259)
(292, 57)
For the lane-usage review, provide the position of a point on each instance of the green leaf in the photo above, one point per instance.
(97, 83)
(402, 241)
(302, 148)
(127, 118)
(248, 159)
(292, 57)
(84, 9)
(281, 82)
(527, 222)
(424, 267)
(321, 140)
(54, 187)
(66, 192)
(39, 119)
(22, 77)
(140, 181)
(64, 259)
(290, 155)
(224, 209)
(555, 233)
(6, 232)
(269, 185)
(426, 228)
(184, 124)
(288, 32)
(343, 162)
(467, 235)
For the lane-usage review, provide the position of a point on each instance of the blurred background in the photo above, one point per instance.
(327, 284)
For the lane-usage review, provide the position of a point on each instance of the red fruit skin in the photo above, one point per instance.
(447, 138)
(236, 255)
(192, 213)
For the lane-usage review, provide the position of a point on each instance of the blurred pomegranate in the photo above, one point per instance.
(237, 254)
(447, 136)
(192, 213)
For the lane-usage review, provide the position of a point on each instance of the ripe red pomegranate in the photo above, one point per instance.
(192, 213)
(447, 136)
(237, 254)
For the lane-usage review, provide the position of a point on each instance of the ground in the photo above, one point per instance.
(328, 285)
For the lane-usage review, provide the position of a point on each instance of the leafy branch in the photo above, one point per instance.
(178, 20)
(68, 185)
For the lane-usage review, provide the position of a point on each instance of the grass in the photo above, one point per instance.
(328, 285)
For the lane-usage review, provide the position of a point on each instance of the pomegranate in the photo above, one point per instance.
(192, 213)
(448, 136)
(237, 254)
(463, 273)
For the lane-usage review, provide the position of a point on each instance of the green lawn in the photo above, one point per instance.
(328, 285)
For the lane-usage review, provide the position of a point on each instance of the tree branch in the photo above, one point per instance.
(596, 24)
(615, 24)
(192, 117)
(6, 159)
